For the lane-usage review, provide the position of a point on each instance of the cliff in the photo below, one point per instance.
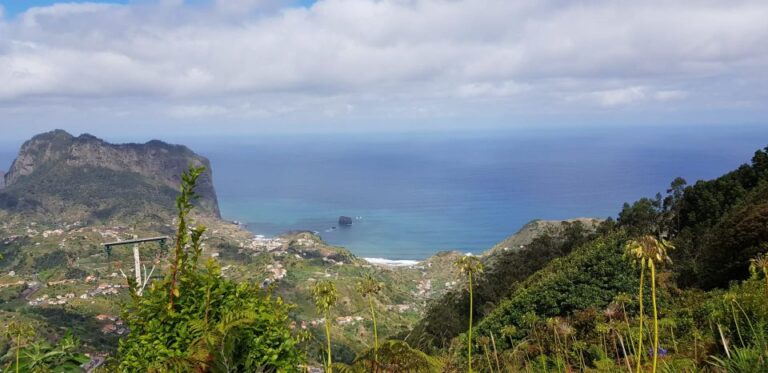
(55, 170)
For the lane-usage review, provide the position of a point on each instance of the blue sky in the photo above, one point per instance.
(256, 66)
(14, 7)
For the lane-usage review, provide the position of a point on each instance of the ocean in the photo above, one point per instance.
(411, 195)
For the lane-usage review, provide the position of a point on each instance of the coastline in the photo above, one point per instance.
(391, 262)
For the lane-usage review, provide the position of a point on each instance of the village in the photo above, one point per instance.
(101, 281)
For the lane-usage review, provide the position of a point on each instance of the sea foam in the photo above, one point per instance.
(391, 262)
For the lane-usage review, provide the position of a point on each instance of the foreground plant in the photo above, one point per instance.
(196, 320)
(325, 295)
(395, 356)
(470, 266)
(20, 334)
(650, 251)
(368, 287)
(29, 353)
(760, 264)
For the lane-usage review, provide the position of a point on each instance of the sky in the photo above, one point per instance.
(245, 67)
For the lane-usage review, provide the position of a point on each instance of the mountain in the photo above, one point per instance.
(536, 228)
(507, 264)
(70, 178)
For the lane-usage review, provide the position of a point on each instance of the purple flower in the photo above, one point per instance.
(662, 352)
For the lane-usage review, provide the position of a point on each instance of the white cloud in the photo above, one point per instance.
(380, 56)
(240, 7)
(622, 96)
(500, 89)
(196, 111)
(670, 95)
(627, 95)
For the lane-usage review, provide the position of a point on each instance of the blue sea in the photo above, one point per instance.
(412, 195)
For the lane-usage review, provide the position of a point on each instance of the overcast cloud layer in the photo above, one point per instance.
(389, 64)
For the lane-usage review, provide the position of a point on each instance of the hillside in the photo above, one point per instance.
(66, 196)
(536, 228)
(64, 178)
(580, 309)
(507, 264)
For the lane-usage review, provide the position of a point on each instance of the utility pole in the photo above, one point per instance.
(141, 282)
(137, 264)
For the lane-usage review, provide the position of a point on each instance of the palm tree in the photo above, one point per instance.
(650, 251)
(760, 263)
(368, 287)
(325, 295)
(470, 265)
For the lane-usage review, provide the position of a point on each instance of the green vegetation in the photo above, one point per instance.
(29, 353)
(648, 251)
(195, 320)
(325, 298)
(447, 317)
(368, 287)
(470, 266)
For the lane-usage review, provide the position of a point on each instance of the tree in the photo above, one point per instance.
(642, 217)
(470, 265)
(368, 287)
(649, 250)
(674, 199)
(325, 295)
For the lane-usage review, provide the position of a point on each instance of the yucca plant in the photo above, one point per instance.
(471, 266)
(326, 295)
(650, 251)
(368, 287)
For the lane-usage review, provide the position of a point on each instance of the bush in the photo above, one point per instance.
(196, 320)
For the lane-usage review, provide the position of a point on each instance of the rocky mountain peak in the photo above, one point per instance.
(46, 157)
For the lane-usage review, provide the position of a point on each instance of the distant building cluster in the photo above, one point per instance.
(267, 244)
(47, 300)
(114, 324)
(102, 289)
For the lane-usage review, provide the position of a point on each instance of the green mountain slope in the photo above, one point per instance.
(507, 264)
(589, 277)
